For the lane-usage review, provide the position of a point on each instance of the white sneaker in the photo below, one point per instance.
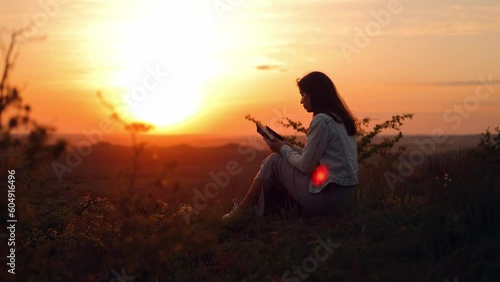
(236, 209)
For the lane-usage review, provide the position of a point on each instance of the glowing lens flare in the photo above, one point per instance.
(320, 175)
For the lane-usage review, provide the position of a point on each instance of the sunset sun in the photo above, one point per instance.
(169, 105)
(176, 40)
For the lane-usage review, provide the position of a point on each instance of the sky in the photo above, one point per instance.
(198, 67)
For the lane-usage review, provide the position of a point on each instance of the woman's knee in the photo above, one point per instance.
(272, 158)
(267, 166)
(272, 161)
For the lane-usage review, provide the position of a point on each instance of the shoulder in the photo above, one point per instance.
(323, 121)
(320, 122)
(322, 118)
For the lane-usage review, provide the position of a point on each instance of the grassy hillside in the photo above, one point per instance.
(437, 221)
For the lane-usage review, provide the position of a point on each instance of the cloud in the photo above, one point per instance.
(271, 67)
(457, 83)
(417, 18)
(446, 18)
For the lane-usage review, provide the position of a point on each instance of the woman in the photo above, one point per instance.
(322, 176)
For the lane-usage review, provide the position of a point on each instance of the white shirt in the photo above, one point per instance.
(327, 143)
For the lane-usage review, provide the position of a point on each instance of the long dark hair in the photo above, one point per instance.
(325, 99)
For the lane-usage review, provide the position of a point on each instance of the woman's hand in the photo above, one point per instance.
(274, 145)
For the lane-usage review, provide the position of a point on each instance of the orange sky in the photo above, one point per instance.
(200, 66)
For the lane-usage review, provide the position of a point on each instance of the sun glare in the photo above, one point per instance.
(172, 37)
(170, 105)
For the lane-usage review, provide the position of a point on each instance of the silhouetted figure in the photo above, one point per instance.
(322, 177)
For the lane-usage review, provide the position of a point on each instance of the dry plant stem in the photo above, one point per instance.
(253, 194)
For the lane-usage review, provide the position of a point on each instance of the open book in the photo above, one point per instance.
(267, 132)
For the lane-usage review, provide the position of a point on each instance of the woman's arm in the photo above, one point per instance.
(316, 143)
(295, 148)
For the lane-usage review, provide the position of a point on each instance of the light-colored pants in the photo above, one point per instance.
(281, 178)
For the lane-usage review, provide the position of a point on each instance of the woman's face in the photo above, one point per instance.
(306, 101)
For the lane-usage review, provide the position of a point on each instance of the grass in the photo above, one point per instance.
(431, 229)
(440, 223)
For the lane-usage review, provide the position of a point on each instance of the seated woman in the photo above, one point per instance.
(323, 176)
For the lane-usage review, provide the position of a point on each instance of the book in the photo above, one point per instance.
(268, 133)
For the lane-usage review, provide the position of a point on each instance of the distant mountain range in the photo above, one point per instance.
(202, 141)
